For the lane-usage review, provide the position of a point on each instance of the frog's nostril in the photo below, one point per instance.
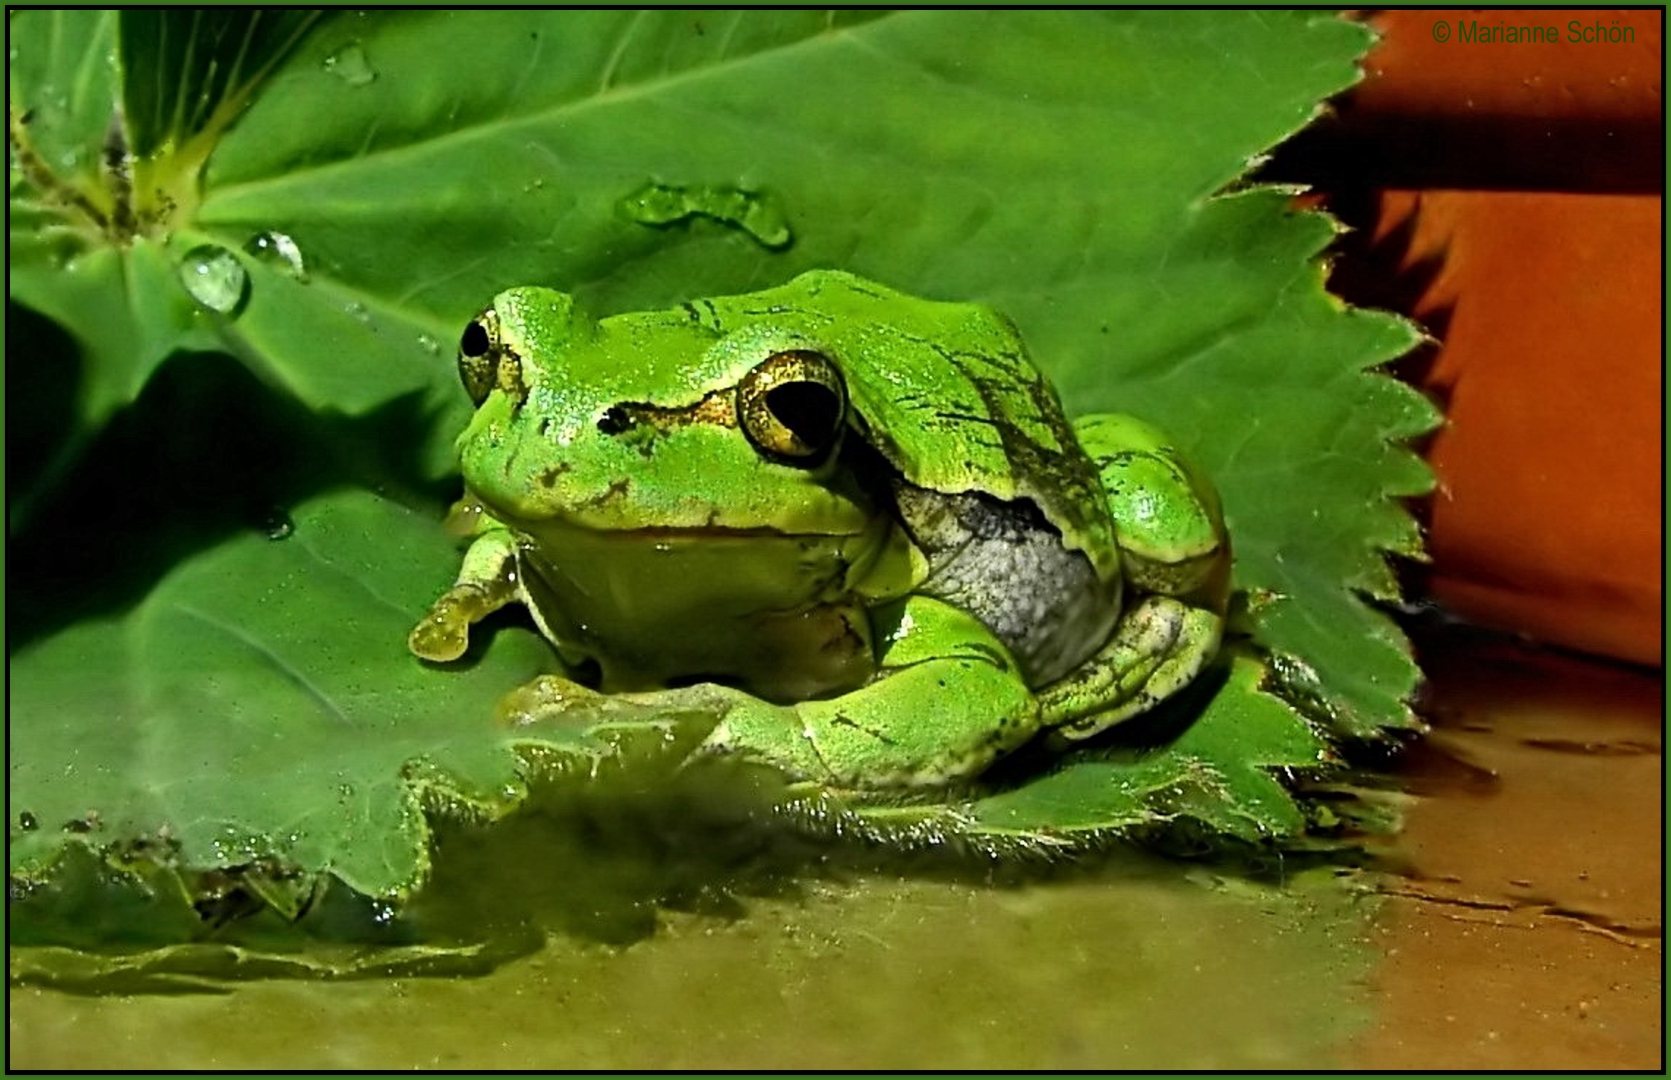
(614, 421)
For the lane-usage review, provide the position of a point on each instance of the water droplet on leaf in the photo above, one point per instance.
(277, 523)
(278, 250)
(349, 64)
(754, 212)
(357, 311)
(215, 279)
(429, 345)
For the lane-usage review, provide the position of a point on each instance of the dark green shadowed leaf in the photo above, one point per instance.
(190, 71)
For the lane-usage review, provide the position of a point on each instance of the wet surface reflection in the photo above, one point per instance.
(1524, 928)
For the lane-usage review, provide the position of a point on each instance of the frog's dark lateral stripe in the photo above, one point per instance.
(968, 417)
(1060, 479)
(718, 408)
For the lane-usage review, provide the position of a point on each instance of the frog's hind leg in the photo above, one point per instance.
(1175, 559)
(1159, 647)
(950, 699)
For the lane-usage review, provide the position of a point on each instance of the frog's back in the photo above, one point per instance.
(947, 394)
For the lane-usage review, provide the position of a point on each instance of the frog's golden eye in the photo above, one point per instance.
(792, 406)
(486, 363)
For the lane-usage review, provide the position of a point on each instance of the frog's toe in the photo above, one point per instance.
(438, 638)
(1159, 647)
(444, 632)
(546, 698)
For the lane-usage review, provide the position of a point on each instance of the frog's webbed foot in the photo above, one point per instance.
(486, 583)
(546, 699)
(1159, 647)
(552, 702)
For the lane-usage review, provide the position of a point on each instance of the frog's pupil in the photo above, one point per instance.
(475, 340)
(811, 410)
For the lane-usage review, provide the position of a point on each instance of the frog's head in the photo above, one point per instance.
(659, 420)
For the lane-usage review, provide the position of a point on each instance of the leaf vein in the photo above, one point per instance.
(271, 659)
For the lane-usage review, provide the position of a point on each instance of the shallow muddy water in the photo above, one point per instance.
(1517, 926)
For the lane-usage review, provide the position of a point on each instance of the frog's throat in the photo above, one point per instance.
(713, 565)
(780, 613)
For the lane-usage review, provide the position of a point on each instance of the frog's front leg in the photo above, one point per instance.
(1175, 558)
(486, 582)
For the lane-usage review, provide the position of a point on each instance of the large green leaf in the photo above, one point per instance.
(362, 188)
(260, 705)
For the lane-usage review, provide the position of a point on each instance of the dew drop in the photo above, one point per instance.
(278, 250)
(357, 311)
(754, 212)
(215, 279)
(276, 523)
(349, 64)
(27, 821)
(656, 204)
(429, 345)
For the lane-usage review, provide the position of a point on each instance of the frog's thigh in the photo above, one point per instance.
(486, 582)
(1172, 548)
(949, 700)
(1166, 514)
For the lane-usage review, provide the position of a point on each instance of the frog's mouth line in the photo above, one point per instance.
(706, 532)
(557, 524)
(554, 528)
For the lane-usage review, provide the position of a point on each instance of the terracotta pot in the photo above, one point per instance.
(1509, 197)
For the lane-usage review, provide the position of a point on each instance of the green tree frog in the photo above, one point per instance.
(859, 520)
